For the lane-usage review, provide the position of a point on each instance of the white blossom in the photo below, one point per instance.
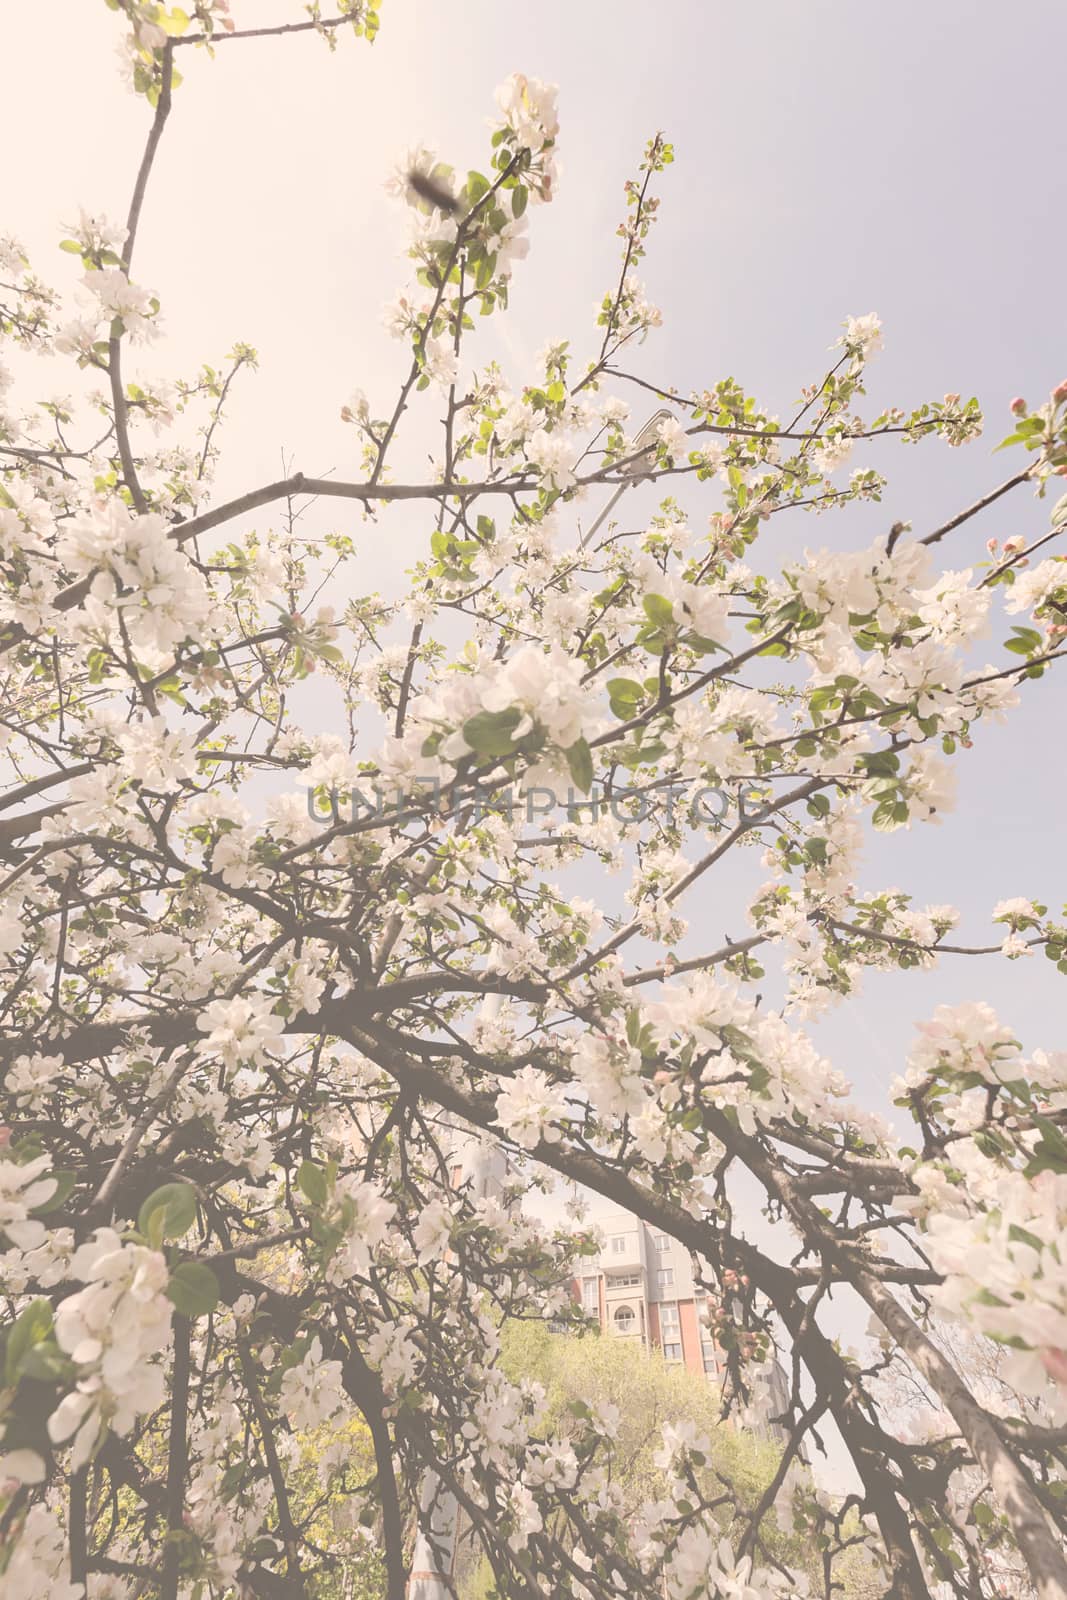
(111, 1329)
(311, 1390)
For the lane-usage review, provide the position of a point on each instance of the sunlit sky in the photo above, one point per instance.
(832, 159)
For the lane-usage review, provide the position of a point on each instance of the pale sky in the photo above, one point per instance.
(832, 159)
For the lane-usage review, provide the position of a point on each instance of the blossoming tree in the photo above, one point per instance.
(238, 1036)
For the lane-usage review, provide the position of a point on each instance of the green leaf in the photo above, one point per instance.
(889, 815)
(193, 1289)
(625, 689)
(477, 186)
(311, 1181)
(881, 764)
(46, 1363)
(1026, 642)
(168, 1212)
(175, 24)
(71, 246)
(659, 611)
(489, 732)
(758, 1079)
(580, 762)
(1024, 1236)
(64, 1185)
(1050, 1152)
(232, 1479)
(97, 665)
(625, 695)
(31, 1326)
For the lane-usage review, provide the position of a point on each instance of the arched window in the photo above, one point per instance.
(624, 1319)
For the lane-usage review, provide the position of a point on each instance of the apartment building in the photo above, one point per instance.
(641, 1288)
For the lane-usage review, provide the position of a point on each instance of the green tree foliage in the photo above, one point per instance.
(591, 1371)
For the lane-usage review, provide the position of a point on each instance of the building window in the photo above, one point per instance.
(670, 1333)
(662, 1243)
(618, 1245)
(625, 1319)
(624, 1280)
(664, 1277)
(590, 1295)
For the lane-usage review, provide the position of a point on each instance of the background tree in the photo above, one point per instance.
(238, 1038)
(637, 1396)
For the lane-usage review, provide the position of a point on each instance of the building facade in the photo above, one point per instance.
(641, 1288)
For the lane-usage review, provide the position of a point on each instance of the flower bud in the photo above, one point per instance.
(1018, 406)
(1055, 1364)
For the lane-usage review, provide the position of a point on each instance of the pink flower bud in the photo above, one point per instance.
(1055, 1364)
(1059, 393)
(1018, 406)
(991, 546)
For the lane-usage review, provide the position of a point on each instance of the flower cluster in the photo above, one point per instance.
(311, 1391)
(142, 586)
(530, 1108)
(243, 1031)
(111, 1329)
(23, 1187)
